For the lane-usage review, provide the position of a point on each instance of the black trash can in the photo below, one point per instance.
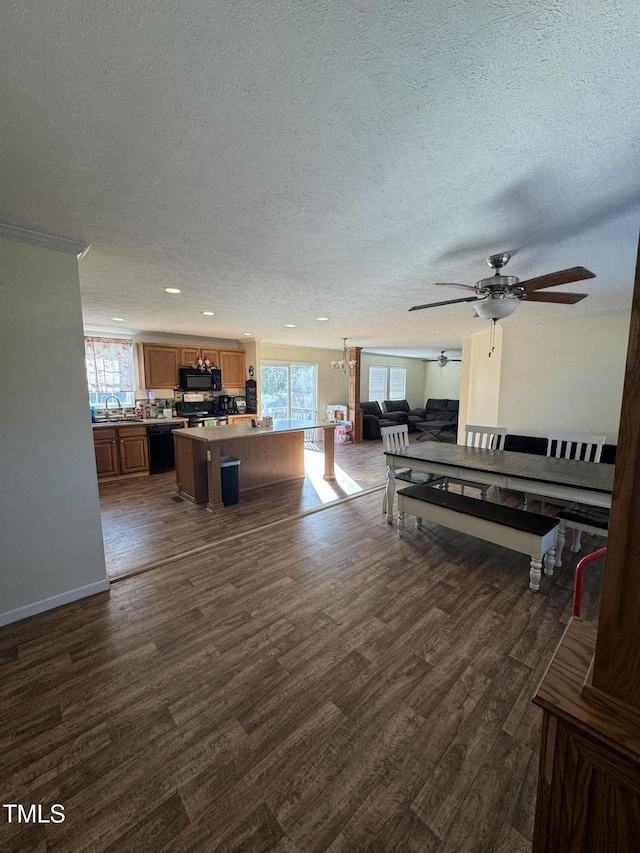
(230, 476)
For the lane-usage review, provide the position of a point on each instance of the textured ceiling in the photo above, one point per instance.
(289, 159)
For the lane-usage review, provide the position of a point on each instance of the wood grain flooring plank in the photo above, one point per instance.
(155, 831)
(509, 840)
(325, 763)
(319, 824)
(521, 812)
(454, 775)
(18, 838)
(31, 768)
(410, 835)
(102, 812)
(474, 829)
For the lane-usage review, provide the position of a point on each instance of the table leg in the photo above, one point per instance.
(549, 561)
(329, 453)
(562, 534)
(535, 573)
(391, 481)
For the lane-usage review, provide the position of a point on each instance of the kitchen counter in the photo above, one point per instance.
(220, 433)
(268, 455)
(141, 422)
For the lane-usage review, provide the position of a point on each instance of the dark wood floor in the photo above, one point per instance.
(145, 522)
(319, 685)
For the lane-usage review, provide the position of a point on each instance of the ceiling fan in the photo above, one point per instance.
(442, 359)
(499, 295)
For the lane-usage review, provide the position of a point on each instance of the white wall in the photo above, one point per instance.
(415, 376)
(50, 533)
(482, 381)
(442, 383)
(564, 377)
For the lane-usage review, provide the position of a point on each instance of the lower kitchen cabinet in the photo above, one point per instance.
(241, 419)
(120, 451)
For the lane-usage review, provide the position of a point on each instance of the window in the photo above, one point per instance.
(110, 370)
(289, 391)
(387, 383)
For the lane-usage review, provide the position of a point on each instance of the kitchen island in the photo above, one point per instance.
(267, 455)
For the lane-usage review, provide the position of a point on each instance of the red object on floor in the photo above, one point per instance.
(582, 565)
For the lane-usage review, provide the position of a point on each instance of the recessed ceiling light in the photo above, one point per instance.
(172, 290)
(289, 325)
(322, 319)
(117, 319)
(208, 313)
(248, 334)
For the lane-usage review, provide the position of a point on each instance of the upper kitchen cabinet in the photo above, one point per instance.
(190, 355)
(232, 368)
(160, 365)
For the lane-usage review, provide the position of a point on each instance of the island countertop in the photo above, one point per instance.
(268, 455)
(222, 433)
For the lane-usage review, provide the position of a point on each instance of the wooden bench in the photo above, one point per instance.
(525, 532)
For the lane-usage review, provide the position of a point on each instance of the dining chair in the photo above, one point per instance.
(569, 445)
(485, 438)
(395, 438)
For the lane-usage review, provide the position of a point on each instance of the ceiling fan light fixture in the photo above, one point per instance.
(497, 307)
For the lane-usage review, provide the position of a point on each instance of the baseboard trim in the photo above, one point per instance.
(54, 601)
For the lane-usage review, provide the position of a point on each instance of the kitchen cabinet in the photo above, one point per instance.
(232, 368)
(160, 365)
(121, 451)
(212, 354)
(190, 355)
(240, 419)
(105, 444)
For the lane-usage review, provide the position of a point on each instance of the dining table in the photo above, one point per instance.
(568, 480)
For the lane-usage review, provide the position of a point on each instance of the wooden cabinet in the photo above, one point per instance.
(121, 450)
(134, 450)
(241, 419)
(160, 365)
(232, 367)
(212, 354)
(188, 356)
(105, 443)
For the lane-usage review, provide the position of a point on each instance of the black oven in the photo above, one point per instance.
(198, 380)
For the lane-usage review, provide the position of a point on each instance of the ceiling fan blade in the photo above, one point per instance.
(553, 279)
(454, 284)
(447, 302)
(562, 298)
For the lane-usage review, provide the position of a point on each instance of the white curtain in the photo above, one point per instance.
(109, 365)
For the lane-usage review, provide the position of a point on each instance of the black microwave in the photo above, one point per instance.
(197, 380)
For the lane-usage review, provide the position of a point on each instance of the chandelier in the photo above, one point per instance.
(344, 364)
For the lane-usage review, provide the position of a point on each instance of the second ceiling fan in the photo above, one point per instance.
(442, 359)
(499, 295)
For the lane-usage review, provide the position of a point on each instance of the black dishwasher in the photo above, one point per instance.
(161, 455)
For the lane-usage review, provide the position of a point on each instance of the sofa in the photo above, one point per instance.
(439, 416)
(373, 418)
(414, 416)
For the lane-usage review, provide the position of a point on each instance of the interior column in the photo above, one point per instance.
(355, 412)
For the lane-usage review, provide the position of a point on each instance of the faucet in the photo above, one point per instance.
(106, 403)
